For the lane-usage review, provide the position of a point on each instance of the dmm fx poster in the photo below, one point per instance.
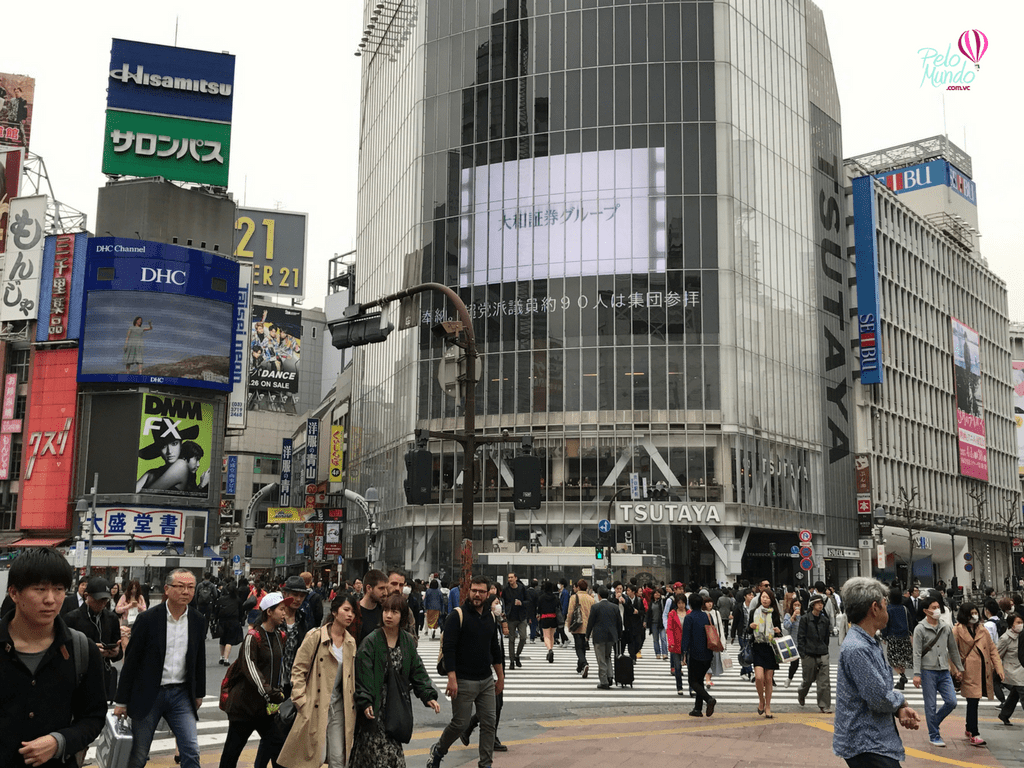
(175, 443)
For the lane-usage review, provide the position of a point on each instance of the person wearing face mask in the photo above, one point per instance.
(980, 658)
(935, 649)
(1013, 671)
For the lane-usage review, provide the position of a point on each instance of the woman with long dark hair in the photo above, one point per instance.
(897, 636)
(323, 690)
(696, 655)
(765, 624)
(228, 614)
(131, 603)
(547, 612)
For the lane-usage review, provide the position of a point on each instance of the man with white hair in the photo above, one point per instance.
(866, 702)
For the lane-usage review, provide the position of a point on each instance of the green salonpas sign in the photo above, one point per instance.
(137, 144)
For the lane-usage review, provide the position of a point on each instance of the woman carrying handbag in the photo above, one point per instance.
(386, 665)
(323, 691)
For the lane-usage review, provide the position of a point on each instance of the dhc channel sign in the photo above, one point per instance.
(158, 314)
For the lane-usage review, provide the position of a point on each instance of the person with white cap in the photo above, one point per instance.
(254, 691)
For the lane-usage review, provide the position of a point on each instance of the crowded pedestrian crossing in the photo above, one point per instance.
(539, 682)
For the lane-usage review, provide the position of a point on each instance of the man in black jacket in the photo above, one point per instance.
(633, 615)
(471, 651)
(164, 673)
(812, 644)
(516, 603)
(96, 621)
(53, 707)
(76, 599)
(605, 628)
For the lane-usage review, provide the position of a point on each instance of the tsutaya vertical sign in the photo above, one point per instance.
(240, 352)
(19, 286)
(9, 425)
(312, 449)
(286, 472)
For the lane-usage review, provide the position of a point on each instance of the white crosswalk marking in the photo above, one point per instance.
(539, 681)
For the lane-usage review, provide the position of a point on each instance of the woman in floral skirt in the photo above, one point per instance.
(385, 646)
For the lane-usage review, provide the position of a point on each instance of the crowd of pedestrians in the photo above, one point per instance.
(324, 673)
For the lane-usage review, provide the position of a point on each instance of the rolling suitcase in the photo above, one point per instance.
(115, 743)
(624, 670)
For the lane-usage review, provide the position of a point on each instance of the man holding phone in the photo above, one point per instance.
(100, 624)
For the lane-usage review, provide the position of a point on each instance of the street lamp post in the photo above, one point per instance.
(978, 494)
(84, 506)
(907, 500)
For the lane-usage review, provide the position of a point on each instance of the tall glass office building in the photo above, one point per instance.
(639, 202)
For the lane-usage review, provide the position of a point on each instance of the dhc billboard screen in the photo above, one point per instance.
(157, 314)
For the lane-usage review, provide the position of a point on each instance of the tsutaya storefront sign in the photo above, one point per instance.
(668, 512)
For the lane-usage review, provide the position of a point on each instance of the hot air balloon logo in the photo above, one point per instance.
(973, 45)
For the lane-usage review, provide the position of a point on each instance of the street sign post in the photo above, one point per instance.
(604, 526)
(805, 536)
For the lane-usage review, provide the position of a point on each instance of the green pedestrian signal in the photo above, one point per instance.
(599, 553)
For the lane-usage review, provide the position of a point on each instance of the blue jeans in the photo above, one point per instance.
(660, 642)
(937, 681)
(175, 706)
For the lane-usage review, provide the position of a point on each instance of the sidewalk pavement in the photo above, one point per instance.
(730, 740)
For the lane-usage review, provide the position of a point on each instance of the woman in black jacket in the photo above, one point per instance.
(547, 611)
(765, 624)
(229, 618)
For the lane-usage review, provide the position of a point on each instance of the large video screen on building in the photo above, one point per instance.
(589, 213)
(157, 314)
(275, 350)
(970, 419)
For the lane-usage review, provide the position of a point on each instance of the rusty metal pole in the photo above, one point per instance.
(468, 438)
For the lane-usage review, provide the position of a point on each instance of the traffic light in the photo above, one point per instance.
(526, 472)
(419, 469)
(130, 546)
(360, 330)
(599, 553)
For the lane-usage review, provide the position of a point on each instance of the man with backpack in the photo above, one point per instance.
(206, 597)
(53, 672)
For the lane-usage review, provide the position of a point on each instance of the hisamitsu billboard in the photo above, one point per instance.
(167, 80)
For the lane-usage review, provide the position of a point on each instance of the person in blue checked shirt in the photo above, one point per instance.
(867, 706)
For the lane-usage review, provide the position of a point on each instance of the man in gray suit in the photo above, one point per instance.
(604, 627)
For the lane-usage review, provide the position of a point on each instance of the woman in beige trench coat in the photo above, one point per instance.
(980, 659)
(324, 691)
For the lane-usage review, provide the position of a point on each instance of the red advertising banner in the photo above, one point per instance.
(46, 483)
(60, 296)
(8, 424)
(970, 421)
(10, 186)
(17, 94)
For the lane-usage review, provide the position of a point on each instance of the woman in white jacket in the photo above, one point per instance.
(1013, 673)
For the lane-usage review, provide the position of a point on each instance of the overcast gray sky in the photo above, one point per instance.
(295, 122)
